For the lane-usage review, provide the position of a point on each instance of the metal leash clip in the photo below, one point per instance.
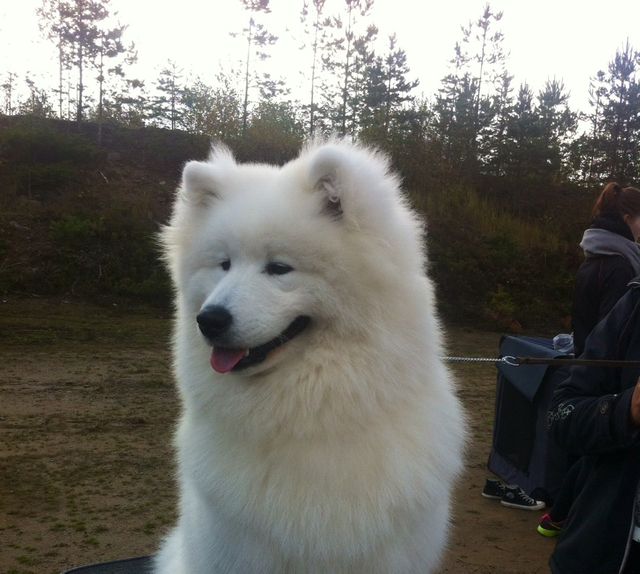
(510, 360)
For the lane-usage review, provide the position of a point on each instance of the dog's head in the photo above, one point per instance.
(263, 257)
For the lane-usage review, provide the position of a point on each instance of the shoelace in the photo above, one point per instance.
(526, 497)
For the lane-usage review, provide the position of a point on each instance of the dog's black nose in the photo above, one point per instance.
(214, 321)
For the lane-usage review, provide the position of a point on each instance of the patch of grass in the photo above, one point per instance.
(79, 526)
(150, 528)
(91, 541)
(26, 478)
(90, 476)
(27, 560)
(43, 323)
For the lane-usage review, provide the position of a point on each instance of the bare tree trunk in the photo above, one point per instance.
(477, 106)
(60, 66)
(100, 93)
(313, 74)
(68, 98)
(80, 85)
(245, 107)
(387, 104)
(173, 107)
(343, 129)
(594, 135)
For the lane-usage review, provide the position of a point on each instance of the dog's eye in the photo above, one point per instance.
(275, 268)
(226, 265)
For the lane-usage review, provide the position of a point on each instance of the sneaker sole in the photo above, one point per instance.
(547, 533)
(511, 505)
(491, 496)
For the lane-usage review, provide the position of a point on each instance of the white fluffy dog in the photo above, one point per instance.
(320, 432)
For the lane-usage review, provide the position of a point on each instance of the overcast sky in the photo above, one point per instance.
(566, 39)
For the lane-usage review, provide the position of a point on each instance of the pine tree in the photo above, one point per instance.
(386, 95)
(591, 142)
(398, 86)
(345, 53)
(495, 144)
(373, 99)
(79, 29)
(521, 152)
(490, 54)
(327, 117)
(166, 107)
(557, 128)
(126, 102)
(619, 141)
(366, 84)
(317, 35)
(522, 132)
(536, 144)
(455, 121)
(51, 21)
(258, 39)
(36, 103)
(111, 46)
(9, 87)
(355, 9)
(467, 101)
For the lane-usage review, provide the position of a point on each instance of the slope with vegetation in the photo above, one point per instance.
(505, 174)
(78, 219)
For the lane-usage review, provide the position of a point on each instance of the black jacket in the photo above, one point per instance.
(590, 416)
(600, 282)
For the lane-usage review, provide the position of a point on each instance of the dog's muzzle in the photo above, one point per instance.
(214, 321)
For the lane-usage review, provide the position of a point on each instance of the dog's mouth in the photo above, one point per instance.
(225, 360)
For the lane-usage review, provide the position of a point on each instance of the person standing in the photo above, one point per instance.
(595, 414)
(612, 260)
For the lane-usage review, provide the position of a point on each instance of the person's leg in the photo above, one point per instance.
(632, 566)
(566, 494)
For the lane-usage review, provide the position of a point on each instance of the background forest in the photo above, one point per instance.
(505, 174)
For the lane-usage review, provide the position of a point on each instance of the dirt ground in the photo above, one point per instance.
(87, 409)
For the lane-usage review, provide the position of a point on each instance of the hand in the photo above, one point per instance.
(635, 405)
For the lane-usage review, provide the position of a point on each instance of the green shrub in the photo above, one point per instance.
(489, 264)
(74, 231)
(114, 254)
(40, 144)
(43, 180)
(501, 303)
(40, 162)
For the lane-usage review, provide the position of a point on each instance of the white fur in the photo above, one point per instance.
(338, 453)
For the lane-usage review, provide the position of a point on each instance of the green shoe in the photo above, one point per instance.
(548, 527)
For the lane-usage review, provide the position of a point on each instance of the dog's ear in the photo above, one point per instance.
(326, 172)
(356, 182)
(201, 179)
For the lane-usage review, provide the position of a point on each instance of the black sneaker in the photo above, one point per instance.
(494, 488)
(515, 497)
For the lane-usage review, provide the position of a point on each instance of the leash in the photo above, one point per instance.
(519, 361)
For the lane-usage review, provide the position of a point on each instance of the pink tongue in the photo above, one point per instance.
(223, 360)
